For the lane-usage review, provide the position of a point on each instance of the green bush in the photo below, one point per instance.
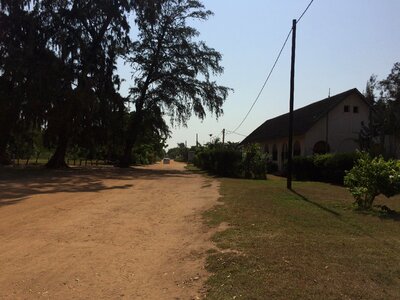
(254, 162)
(333, 167)
(219, 160)
(229, 161)
(371, 177)
(324, 167)
(272, 167)
(304, 168)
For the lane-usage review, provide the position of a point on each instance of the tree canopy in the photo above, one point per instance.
(59, 76)
(384, 95)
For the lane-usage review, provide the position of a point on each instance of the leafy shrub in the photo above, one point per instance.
(223, 161)
(272, 167)
(229, 161)
(254, 162)
(304, 168)
(333, 167)
(324, 167)
(371, 177)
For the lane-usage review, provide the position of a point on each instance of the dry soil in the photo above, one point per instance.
(104, 233)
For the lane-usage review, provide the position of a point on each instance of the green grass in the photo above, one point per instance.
(310, 244)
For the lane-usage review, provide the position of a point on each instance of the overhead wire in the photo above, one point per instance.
(272, 69)
(266, 80)
(237, 133)
(304, 12)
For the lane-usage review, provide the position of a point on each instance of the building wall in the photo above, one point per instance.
(339, 129)
(281, 147)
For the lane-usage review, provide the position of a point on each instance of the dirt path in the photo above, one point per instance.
(109, 234)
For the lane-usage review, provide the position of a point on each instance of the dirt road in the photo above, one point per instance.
(104, 233)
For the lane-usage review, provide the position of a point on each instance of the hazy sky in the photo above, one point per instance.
(340, 43)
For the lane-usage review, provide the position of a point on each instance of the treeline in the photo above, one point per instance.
(382, 134)
(225, 159)
(60, 86)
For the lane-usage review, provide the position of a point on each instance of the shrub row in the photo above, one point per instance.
(324, 167)
(229, 161)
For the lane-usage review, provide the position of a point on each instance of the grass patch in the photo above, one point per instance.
(309, 243)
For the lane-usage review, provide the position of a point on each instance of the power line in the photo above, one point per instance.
(265, 82)
(272, 69)
(308, 6)
(233, 132)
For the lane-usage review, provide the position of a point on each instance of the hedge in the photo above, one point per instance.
(324, 167)
(229, 161)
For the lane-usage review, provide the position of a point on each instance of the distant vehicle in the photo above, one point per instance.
(166, 160)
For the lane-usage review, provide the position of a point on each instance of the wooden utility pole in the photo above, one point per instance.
(197, 139)
(290, 150)
(223, 136)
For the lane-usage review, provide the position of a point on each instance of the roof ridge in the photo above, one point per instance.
(306, 117)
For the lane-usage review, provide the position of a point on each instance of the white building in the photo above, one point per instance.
(330, 125)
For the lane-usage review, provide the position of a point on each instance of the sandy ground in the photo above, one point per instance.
(104, 233)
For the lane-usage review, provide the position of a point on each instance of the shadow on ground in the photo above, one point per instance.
(382, 211)
(17, 185)
(304, 198)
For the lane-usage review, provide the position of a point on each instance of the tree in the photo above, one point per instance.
(174, 70)
(179, 153)
(385, 119)
(87, 37)
(17, 44)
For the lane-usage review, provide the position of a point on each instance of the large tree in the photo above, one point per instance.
(26, 79)
(87, 37)
(173, 69)
(385, 120)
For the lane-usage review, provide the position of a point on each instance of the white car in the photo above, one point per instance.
(166, 160)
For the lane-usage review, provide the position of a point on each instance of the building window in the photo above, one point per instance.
(284, 153)
(346, 108)
(321, 147)
(266, 148)
(274, 153)
(355, 109)
(296, 149)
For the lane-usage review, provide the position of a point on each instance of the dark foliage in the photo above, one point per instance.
(324, 167)
(384, 95)
(59, 79)
(230, 161)
(173, 70)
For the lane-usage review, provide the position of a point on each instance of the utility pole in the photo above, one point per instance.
(223, 136)
(197, 139)
(290, 161)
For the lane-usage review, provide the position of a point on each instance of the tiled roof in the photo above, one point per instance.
(303, 119)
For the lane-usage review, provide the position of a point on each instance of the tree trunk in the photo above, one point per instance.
(57, 161)
(133, 133)
(126, 159)
(4, 157)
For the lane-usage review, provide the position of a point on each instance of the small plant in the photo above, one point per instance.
(254, 162)
(371, 177)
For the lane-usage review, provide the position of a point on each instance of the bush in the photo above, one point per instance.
(272, 167)
(229, 161)
(333, 167)
(324, 167)
(304, 168)
(371, 177)
(254, 162)
(220, 161)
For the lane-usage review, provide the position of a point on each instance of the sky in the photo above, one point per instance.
(339, 45)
